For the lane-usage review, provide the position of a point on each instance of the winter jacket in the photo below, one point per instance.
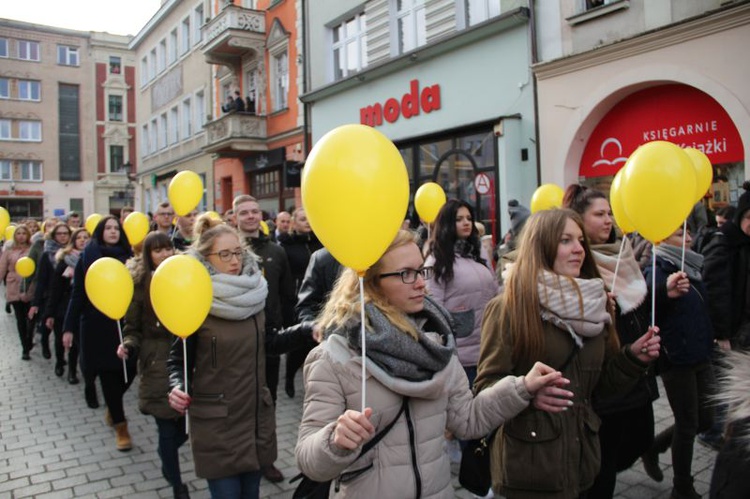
(281, 291)
(59, 293)
(13, 287)
(146, 337)
(726, 270)
(320, 276)
(540, 454)
(45, 267)
(684, 322)
(409, 461)
(299, 247)
(465, 297)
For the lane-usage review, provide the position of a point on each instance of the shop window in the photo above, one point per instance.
(28, 50)
(116, 155)
(30, 131)
(115, 108)
(5, 170)
(410, 27)
(115, 65)
(264, 184)
(349, 46)
(280, 81)
(31, 171)
(4, 88)
(67, 56)
(3, 47)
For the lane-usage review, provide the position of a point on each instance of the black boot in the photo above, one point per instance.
(59, 369)
(90, 393)
(683, 488)
(180, 491)
(45, 349)
(73, 379)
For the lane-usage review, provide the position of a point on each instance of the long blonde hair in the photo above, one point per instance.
(520, 311)
(343, 306)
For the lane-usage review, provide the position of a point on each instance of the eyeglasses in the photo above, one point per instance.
(165, 214)
(226, 255)
(409, 276)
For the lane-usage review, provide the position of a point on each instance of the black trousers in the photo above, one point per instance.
(25, 327)
(114, 388)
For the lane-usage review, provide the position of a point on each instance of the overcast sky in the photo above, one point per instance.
(122, 17)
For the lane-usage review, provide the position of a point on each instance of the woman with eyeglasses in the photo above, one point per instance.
(56, 239)
(414, 380)
(231, 412)
(555, 309)
(59, 297)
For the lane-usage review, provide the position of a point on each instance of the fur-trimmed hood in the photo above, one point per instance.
(734, 390)
(136, 268)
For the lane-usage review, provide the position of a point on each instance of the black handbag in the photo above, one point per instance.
(310, 489)
(474, 474)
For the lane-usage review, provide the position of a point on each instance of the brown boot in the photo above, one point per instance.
(122, 437)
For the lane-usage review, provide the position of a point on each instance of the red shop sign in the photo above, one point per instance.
(677, 113)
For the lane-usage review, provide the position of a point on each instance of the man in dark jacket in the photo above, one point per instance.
(320, 276)
(279, 308)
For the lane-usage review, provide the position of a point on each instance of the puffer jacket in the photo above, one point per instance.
(539, 454)
(409, 461)
(12, 280)
(465, 297)
(144, 336)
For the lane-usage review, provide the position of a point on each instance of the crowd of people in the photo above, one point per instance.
(546, 344)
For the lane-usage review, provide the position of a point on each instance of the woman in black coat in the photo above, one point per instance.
(97, 333)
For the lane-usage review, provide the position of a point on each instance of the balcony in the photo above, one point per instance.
(234, 34)
(236, 132)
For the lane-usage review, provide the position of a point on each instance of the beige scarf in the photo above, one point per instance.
(630, 288)
(578, 306)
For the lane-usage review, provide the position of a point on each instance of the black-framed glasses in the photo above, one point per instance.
(226, 255)
(409, 276)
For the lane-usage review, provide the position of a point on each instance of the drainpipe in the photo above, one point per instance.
(305, 72)
(534, 60)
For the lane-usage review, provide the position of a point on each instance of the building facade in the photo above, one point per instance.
(47, 159)
(447, 81)
(616, 74)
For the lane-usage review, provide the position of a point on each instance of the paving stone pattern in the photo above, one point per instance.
(53, 446)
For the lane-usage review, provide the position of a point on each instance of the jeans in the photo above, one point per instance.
(171, 437)
(242, 486)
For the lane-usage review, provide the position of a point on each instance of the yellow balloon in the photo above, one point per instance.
(264, 227)
(704, 172)
(546, 197)
(181, 294)
(4, 219)
(109, 287)
(214, 216)
(9, 232)
(658, 189)
(92, 221)
(185, 192)
(136, 227)
(618, 209)
(25, 267)
(428, 200)
(355, 190)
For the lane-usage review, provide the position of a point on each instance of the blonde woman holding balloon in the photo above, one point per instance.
(627, 429)
(415, 386)
(17, 292)
(231, 411)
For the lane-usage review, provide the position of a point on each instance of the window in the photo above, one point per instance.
(28, 50)
(29, 90)
(116, 158)
(163, 131)
(161, 60)
(173, 46)
(349, 47)
(198, 22)
(5, 130)
(174, 126)
(152, 65)
(185, 46)
(30, 130)
(153, 144)
(187, 128)
(200, 111)
(144, 141)
(115, 108)
(144, 70)
(253, 91)
(4, 88)
(115, 65)
(5, 170)
(411, 29)
(31, 170)
(478, 11)
(280, 81)
(67, 56)
(3, 47)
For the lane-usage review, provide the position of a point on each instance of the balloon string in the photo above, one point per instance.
(362, 333)
(653, 284)
(124, 364)
(684, 236)
(617, 265)
(184, 367)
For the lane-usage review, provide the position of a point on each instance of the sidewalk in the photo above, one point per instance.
(53, 446)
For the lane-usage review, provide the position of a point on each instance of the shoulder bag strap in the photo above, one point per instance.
(377, 438)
